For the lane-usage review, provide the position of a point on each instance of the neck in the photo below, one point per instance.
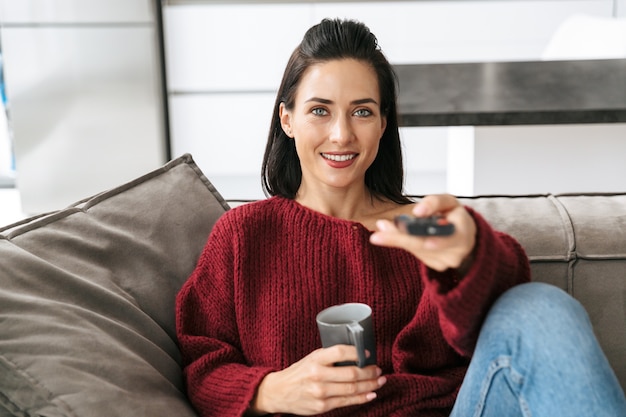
(357, 205)
(340, 203)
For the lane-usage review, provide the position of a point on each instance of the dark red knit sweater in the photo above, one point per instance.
(269, 267)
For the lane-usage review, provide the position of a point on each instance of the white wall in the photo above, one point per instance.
(224, 63)
(6, 158)
(538, 159)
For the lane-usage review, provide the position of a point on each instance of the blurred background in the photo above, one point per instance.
(96, 93)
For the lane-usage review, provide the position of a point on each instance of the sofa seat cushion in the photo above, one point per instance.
(87, 298)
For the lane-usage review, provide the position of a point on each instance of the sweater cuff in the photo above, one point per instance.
(444, 281)
(229, 392)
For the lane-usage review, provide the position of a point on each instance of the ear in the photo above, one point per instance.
(285, 119)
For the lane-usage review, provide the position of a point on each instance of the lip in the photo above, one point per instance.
(339, 159)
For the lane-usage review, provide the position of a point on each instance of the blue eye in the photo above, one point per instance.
(318, 111)
(362, 113)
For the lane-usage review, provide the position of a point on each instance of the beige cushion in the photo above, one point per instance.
(87, 299)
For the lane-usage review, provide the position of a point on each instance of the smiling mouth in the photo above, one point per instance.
(339, 158)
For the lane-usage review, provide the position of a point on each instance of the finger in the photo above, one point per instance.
(341, 353)
(353, 373)
(386, 226)
(333, 403)
(341, 394)
(338, 353)
(389, 235)
(354, 388)
(346, 353)
(435, 203)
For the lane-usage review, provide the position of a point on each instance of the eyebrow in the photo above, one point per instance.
(354, 102)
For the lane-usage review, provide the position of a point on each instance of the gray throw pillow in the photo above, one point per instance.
(87, 324)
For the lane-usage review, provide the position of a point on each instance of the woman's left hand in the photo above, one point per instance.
(436, 252)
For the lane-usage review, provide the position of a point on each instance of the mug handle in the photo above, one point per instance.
(356, 336)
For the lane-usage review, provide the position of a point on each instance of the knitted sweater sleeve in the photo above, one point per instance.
(499, 263)
(219, 383)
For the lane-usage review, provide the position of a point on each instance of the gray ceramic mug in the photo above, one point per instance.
(349, 324)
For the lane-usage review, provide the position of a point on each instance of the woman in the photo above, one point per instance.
(333, 171)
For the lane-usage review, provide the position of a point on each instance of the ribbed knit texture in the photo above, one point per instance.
(269, 267)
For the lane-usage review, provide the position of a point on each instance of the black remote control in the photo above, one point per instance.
(424, 226)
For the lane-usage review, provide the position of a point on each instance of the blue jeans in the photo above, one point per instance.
(537, 356)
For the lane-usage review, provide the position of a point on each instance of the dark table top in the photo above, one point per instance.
(512, 93)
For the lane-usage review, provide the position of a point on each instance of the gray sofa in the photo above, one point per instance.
(87, 293)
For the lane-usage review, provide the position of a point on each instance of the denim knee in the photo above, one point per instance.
(537, 355)
(540, 312)
(539, 304)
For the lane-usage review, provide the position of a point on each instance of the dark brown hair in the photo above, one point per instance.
(332, 40)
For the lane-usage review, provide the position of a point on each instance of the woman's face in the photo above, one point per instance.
(336, 123)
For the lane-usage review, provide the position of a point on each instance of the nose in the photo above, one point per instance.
(341, 130)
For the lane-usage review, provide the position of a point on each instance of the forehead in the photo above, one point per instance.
(337, 80)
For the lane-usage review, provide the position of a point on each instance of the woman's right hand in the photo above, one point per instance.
(313, 385)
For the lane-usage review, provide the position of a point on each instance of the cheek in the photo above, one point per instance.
(302, 147)
(373, 140)
(375, 147)
(374, 152)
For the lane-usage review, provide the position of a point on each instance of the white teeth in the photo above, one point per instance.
(339, 158)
